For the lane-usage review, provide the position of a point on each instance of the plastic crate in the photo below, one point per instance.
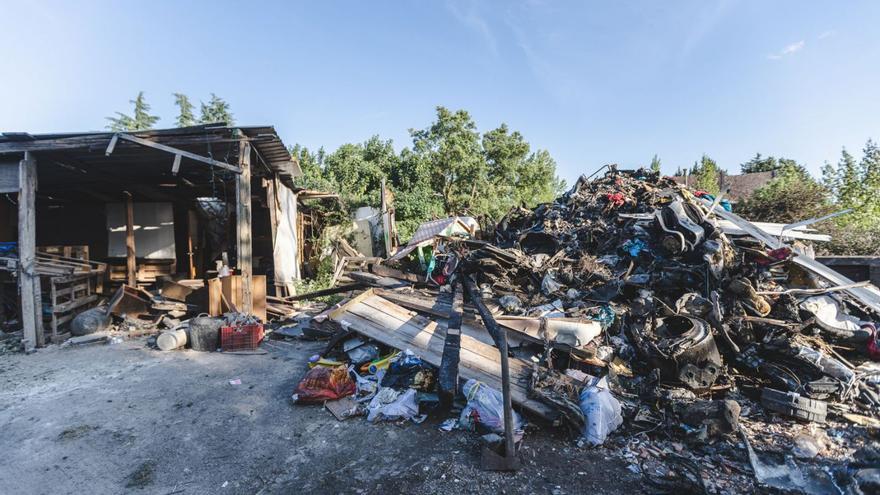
(241, 338)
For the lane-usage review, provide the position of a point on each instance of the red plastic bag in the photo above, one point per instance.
(323, 383)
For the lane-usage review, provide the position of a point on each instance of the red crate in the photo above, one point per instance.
(241, 338)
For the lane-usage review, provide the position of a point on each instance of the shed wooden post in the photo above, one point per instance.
(29, 279)
(243, 218)
(272, 204)
(130, 252)
(386, 220)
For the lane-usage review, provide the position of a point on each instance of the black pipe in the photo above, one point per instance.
(500, 338)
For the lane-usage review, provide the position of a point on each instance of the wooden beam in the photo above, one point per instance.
(187, 154)
(243, 231)
(272, 205)
(96, 141)
(112, 145)
(190, 245)
(130, 252)
(386, 220)
(175, 167)
(29, 279)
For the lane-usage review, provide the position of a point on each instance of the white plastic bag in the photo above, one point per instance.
(389, 404)
(601, 410)
(485, 406)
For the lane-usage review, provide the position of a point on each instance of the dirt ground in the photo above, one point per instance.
(127, 419)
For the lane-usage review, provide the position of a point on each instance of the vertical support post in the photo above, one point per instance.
(510, 461)
(272, 204)
(447, 382)
(29, 279)
(243, 230)
(130, 252)
(190, 245)
(386, 221)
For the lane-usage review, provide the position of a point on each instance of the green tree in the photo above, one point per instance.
(185, 116)
(655, 164)
(457, 169)
(830, 180)
(450, 169)
(792, 195)
(140, 121)
(537, 181)
(870, 168)
(356, 175)
(216, 111)
(850, 186)
(760, 164)
(706, 175)
(312, 166)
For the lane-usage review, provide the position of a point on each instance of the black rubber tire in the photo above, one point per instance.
(89, 321)
(794, 405)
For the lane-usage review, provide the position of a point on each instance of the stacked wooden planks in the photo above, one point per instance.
(380, 319)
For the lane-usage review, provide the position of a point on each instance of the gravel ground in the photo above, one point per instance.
(126, 419)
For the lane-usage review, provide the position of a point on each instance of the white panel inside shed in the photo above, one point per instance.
(153, 230)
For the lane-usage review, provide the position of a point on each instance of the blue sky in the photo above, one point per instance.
(592, 82)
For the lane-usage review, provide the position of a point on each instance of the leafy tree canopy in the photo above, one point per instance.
(450, 169)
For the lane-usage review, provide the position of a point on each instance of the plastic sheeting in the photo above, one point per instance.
(285, 253)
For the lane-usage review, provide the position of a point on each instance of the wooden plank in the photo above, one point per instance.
(447, 376)
(64, 307)
(428, 345)
(215, 301)
(243, 227)
(191, 226)
(386, 322)
(180, 152)
(111, 145)
(324, 292)
(130, 261)
(386, 271)
(29, 280)
(386, 221)
(175, 167)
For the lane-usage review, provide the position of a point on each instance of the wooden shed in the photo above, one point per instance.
(141, 206)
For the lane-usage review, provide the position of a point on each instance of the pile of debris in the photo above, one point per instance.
(715, 352)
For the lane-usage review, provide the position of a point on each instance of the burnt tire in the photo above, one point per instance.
(794, 405)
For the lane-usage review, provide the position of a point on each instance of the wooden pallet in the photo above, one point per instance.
(148, 271)
(378, 318)
(69, 296)
(77, 252)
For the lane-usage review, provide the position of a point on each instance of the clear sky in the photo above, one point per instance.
(592, 82)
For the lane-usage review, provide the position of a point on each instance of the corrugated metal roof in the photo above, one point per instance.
(265, 140)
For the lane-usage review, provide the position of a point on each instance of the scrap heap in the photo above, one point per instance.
(632, 301)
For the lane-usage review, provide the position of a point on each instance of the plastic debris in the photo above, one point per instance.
(601, 410)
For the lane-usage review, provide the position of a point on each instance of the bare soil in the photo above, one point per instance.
(107, 419)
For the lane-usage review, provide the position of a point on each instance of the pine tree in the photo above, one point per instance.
(850, 186)
(759, 164)
(830, 180)
(655, 163)
(216, 111)
(870, 170)
(706, 175)
(185, 116)
(870, 166)
(141, 121)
